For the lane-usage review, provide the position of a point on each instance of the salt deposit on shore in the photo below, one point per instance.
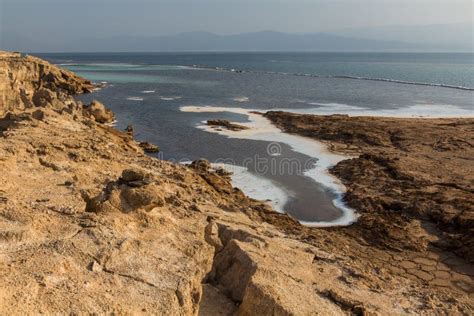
(260, 128)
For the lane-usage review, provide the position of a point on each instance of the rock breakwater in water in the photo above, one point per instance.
(90, 224)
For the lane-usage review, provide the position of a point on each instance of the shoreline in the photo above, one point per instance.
(90, 224)
(259, 128)
(411, 157)
(399, 234)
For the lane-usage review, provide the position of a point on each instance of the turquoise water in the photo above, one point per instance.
(455, 69)
(268, 82)
(147, 91)
(116, 76)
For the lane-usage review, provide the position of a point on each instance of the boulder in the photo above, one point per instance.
(201, 165)
(100, 113)
(135, 178)
(130, 175)
(38, 115)
(149, 148)
(145, 198)
(223, 172)
(43, 97)
(120, 196)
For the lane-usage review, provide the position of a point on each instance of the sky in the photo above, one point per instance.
(43, 20)
(50, 25)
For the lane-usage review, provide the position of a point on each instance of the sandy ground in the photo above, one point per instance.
(90, 224)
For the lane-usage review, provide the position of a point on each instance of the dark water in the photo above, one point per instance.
(157, 118)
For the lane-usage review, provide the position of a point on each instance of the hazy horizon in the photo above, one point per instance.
(54, 25)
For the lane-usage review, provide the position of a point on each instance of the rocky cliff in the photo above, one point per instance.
(90, 224)
(27, 81)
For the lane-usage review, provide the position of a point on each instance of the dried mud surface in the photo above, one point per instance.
(412, 184)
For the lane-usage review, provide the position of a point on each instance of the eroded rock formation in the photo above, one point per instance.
(27, 81)
(90, 224)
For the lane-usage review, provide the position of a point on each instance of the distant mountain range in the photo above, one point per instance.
(448, 38)
(459, 35)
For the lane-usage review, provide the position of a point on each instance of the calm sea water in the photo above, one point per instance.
(147, 90)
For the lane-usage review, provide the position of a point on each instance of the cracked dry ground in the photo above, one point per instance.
(412, 183)
(88, 223)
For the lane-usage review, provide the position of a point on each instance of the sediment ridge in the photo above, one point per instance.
(415, 83)
(90, 224)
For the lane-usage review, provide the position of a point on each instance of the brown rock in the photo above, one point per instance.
(425, 276)
(201, 165)
(38, 115)
(212, 236)
(425, 261)
(223, 172)
(226, 124)
(129, 175)
(442, 275)
(406, 172)
(100, 113)
(161, 257)
(26, 81)
(407, 265)
(149, 148)
(441, 282)
(129, 129)
(145, 198)
(43, 97)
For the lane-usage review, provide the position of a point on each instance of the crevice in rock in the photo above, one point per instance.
(75, 234)
(232, 268)
(351, 307)
(179, 297)
(454, 186)
(129, 277)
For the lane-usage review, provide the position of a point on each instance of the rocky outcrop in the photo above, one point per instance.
(226, 124)
(408, 170)
(99, 112)
(132, 192)
(89, 224)
(27, 81)
(149, 147)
